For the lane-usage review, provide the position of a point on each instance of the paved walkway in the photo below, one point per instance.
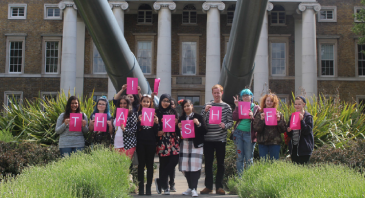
(181, 185)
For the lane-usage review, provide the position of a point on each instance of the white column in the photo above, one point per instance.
(118, 8)
(69, 46)
(309, 49)
(213, 54)
(164, 45)
(80, 56)
(298, 52)
(261, 71)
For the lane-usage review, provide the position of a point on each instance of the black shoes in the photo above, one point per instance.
(148, 189)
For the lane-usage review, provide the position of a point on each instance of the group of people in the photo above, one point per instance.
(173, 149)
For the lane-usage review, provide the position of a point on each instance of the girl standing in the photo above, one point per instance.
(302, 141)
(269, 137)
(125, 140)
(244, 135)
(70, 141)
(191, 149)
(146, 146)
(167, 145)
(99, 137)
(133, 98)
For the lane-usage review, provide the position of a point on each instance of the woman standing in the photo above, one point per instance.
(70, 141)
(167, 145)
(244, 136)
(125, 140)
(146, 146)
(191, 149)
(269, 137)
(302, 141)
(99, 137)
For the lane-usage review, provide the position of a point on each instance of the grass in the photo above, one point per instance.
(101, 173)
(285, 179)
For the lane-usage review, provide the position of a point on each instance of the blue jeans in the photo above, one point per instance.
(272, 150)
(244, 149)
(68, 151)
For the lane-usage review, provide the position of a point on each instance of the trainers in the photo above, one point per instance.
(172, 188)
(206, 191)
(220, 191)
(194, 193)
(158, 187)
(166, 191)
(187, 192)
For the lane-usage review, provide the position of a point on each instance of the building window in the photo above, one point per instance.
(327, 14)
(194, 99)
(98, 63)
(189, 14)
(230, 13)
(17, 11)
(97, 95)
(357, 10)
(284, 98)
(327, 59)
(278, 59)
(144, 14)
(52, 12)
(144, 56)
(14, 97)
(189, 58)
(52, 57)
(16, 57)
(278, 16)
(361, 60)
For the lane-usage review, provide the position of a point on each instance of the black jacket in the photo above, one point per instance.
(306, 141)
(199, 131)
(146, 135)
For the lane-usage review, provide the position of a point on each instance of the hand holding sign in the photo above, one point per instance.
(157, 85)
(100, 123)
(244, 110)
(132, 85)
(270, 117)
(147, 116)
(295, 121)
(168, 122)
(187, 130)
(215, 115)
(122, 116)
(75, 122)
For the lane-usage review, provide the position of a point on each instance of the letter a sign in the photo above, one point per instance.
(187, 129)
(215, 115)
(168, 123)
(122, 116)
(147, 116)
(75, 122)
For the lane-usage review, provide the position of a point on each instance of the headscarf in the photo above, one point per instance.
(164, 111)
(107, 109)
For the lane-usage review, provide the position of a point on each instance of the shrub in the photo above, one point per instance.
(6, 136)
(14, 157)
(101, 173)
(351, 155)
(285, 179)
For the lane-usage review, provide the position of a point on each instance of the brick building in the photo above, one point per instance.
(32, 44)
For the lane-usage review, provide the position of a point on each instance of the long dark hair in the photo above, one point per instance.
(68, 107)
(136, 101)
(129, 106)
(182, 106)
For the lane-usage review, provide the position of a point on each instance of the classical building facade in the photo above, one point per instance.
(305, 45)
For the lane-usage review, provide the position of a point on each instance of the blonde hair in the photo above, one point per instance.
(273, 97)
(218, 86)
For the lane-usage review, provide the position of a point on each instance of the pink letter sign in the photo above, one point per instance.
(187, 129)
(157, 85)
(147, 116)
(168, 123)
(122, 116)
(295, 121)
(215, 115)
(75, 122)
(132, 85)
(244, 110)
(270, 117)
(100, 122)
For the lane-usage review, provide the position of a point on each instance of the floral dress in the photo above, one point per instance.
(168, 143)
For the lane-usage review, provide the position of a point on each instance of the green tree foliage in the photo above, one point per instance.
(359, 27)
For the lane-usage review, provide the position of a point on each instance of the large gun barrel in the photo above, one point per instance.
(238, 64)
(120, 62)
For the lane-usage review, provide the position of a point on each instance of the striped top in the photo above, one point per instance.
(216, 133)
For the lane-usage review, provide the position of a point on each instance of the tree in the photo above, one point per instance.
(359, 27)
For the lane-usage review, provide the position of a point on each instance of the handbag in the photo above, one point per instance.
(135, 158)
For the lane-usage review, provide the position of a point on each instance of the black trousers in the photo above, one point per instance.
(192, 178)
(172, 178)
(167, 165)
(146, 154)
(303, 159)
(220, 149)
